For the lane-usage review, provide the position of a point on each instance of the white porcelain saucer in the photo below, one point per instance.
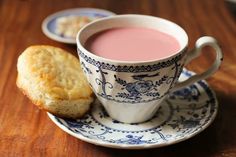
(184, 114)
(49, 23)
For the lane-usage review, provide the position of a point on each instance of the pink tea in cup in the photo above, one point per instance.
(132, 44)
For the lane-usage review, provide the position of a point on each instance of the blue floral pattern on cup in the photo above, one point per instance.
(142, 87)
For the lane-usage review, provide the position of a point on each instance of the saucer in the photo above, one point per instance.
(49, 24)
(183, 114)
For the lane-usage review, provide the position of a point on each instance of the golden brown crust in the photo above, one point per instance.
(25, 92)
(53, 80)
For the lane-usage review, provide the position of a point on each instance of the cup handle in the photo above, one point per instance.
(200, 43)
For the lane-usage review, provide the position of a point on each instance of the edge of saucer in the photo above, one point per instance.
(143, 146)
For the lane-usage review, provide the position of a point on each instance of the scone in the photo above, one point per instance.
(53, 79)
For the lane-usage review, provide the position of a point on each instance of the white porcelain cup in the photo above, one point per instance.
(132, 92)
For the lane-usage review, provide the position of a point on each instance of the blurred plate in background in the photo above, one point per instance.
(50, 24)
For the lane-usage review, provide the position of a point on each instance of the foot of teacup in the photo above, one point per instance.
(130, 113)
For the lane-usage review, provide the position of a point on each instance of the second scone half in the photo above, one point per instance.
(53, 79)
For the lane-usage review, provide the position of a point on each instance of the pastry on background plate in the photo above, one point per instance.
(54, 81)
(70, 25)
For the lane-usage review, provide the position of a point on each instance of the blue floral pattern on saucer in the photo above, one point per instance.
(182, 115)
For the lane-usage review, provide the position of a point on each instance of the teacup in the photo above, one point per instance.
(126, 98)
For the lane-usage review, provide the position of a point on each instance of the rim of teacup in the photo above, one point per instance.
(83, 49)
